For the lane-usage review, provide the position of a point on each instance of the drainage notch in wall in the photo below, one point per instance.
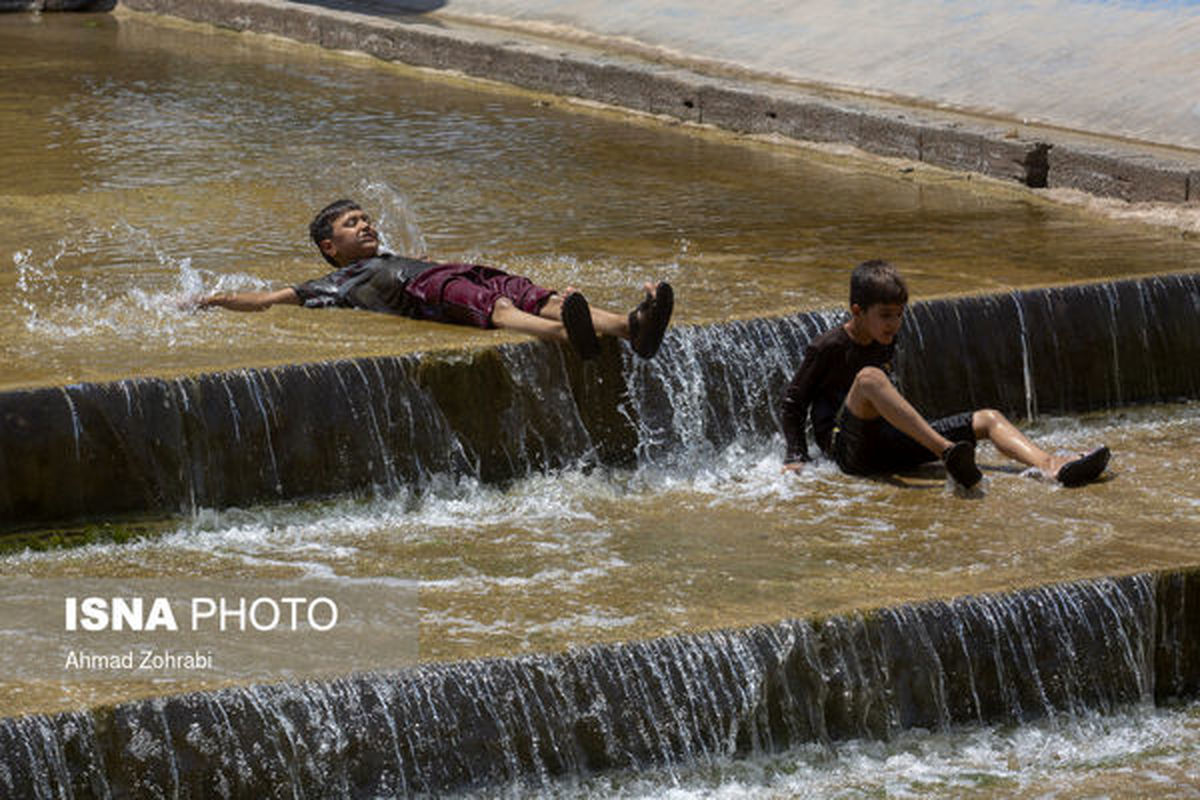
(1037, 166)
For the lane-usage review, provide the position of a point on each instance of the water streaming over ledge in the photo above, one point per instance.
(1058, 650)
(390, 424)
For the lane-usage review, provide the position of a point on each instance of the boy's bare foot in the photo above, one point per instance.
(1082, 469)
(648, 322)
(959, 459)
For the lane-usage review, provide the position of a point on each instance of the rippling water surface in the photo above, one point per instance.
(601, 555)
(146, 163)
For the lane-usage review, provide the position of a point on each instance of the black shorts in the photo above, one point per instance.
(871, 447)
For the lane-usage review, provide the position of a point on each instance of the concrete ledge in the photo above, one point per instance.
(163, 446)
(1034, 157)
(1130, 177)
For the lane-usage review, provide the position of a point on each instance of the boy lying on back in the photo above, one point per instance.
(464, 294)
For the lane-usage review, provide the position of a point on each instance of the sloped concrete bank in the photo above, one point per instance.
(996, 148)
(92, 451)
(1089, 646)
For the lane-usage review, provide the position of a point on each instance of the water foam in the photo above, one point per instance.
(63, 300)
(1142, 751)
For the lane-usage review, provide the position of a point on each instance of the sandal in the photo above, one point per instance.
(959, 459)
(648, 322)
(1084, 469)
(577, 319)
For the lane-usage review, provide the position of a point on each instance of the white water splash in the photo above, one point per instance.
(394, 218)
(62, 299)
(1142, 752)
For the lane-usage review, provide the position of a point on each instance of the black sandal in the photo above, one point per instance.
(959, 459)
(648, 322)
(1084, 469)
(577, 319)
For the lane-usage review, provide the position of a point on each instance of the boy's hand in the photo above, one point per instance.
(189, 302)
(200, 302)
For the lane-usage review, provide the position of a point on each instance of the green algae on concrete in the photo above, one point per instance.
(44, 539)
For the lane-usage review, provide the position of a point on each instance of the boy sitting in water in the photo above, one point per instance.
(863, 422)
(465, 294)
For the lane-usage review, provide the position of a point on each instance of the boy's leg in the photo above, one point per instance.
(1008, 439)
(610, 323)
(488, 297)
(507, 315)
(1070, 470)
(538, 311)
(643, 328)
(607, 322)
(552, 308)
(991, 424)
(873, 395)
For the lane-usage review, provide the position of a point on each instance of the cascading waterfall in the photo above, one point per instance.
(396, 424)
(716, 384)
(1089, 645)
(391, 423)
(1030, 393)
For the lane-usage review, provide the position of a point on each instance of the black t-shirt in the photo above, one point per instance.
(374, 284)
(831, 362)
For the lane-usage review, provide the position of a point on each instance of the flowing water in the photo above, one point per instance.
(727, 540)
(145, 163)
(1145, 753)
(151, 162)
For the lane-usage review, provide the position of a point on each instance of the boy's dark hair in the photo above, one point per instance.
(321, 227)
(876, 281)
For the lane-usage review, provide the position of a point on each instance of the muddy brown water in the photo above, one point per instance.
(146, 162)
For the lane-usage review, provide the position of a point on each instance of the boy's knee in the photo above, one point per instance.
(551, 307)
(985, 419)
(500, 309)
(871, 377)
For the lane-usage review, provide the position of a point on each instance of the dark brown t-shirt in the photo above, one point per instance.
(374, 284)
(831, 361)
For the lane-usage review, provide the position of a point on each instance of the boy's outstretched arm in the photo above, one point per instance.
(250, 301)
(796, 403)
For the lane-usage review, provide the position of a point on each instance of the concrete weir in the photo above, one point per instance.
(739, 101)
(390, 424)
(1093, 645)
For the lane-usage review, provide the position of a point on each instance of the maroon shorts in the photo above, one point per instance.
(466, 293)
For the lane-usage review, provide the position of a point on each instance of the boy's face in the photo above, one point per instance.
(353, 238)
(881, 321)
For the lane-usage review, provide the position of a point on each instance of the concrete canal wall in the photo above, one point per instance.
(265, 435)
